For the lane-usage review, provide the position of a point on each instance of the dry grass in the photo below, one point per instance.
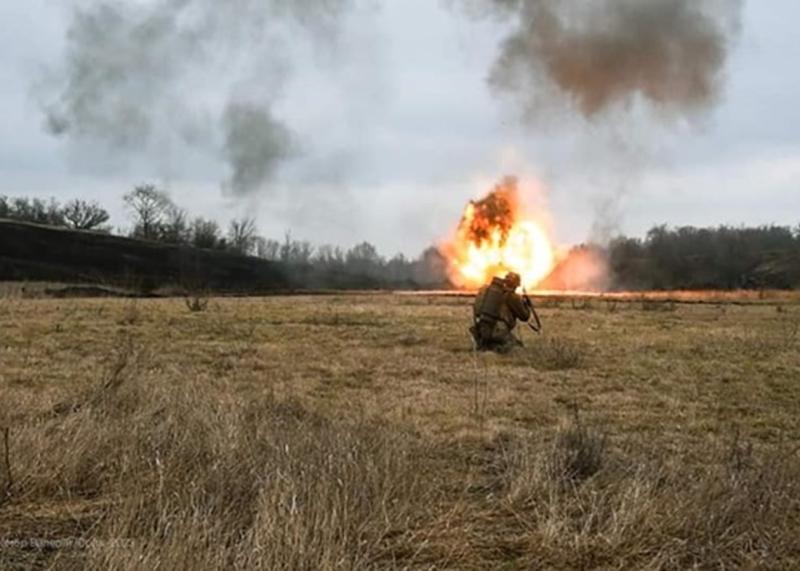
(578, 504)
(555, 354)
(191, 476)
(341, 432)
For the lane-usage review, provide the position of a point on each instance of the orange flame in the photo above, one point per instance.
(493, 238)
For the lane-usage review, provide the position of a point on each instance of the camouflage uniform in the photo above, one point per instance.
(496, 311)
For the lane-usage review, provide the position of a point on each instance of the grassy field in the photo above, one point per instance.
(362, 431)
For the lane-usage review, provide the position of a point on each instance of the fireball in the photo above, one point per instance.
(494, 238)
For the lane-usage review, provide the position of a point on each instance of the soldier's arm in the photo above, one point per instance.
(518, 307)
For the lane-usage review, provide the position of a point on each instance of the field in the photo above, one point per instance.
(363, 431)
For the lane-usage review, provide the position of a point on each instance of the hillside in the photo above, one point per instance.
(45, 253)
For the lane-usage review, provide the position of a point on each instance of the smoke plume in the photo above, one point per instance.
(670, 53)
(133, 78)
(255, 144)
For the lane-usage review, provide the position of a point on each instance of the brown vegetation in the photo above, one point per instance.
(350, 432)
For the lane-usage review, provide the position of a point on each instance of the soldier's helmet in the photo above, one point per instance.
(513, 280)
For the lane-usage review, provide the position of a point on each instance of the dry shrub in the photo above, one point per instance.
(198, 478)
(644, 508)
(195, 293)
(196, 302)
(556, 354)
(578, 453)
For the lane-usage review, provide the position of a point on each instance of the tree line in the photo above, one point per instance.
(666, 258)
(76, 214)
(156, 217)
(707, 258)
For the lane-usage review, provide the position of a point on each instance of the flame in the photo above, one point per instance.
(494, 238)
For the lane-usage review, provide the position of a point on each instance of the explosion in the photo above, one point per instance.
(494, 237)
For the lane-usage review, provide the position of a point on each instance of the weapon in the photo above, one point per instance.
(534, 323)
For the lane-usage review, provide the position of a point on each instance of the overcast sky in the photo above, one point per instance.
(395, 128)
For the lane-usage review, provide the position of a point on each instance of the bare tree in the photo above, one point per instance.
(329, 257)
(35, 210)
(149, 207)
(205, 233)
(295, 251)
(364, 259)
(267, 249)
(175, 228)
(82, 215)
(242, 235)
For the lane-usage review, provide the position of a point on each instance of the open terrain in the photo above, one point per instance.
(362, 431)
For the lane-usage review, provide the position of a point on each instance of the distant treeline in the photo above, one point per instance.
(666, 258)
(707, 258)
(156, 218)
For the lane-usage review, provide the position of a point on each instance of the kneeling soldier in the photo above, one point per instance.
(497, 309)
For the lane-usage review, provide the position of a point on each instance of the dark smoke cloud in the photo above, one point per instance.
(119, 68)
(596, 54)
(131, 70)
(255, 144)
(613, 63)
(135, 72)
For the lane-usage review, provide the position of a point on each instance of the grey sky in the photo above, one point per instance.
(396, 129)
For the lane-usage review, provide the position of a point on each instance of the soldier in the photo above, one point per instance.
(496, 311)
